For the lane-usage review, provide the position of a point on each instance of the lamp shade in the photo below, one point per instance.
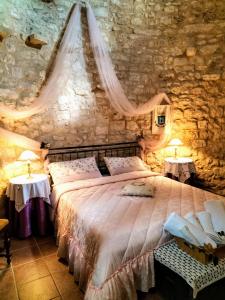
(28, 155)
(175, 142)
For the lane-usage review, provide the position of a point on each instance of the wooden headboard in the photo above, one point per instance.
(99, 151)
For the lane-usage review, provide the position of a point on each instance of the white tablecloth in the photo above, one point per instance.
(20, 189)
(180, 168)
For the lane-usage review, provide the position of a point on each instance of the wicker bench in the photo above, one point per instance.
(181, 277)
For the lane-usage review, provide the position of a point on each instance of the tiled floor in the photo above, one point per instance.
(37, 274)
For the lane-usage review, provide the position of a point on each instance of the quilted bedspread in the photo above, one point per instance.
(108, 239)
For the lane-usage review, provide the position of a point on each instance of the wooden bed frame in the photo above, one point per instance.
(99, 151)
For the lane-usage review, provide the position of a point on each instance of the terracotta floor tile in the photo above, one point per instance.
(25, 255)
(48, 247)
(7, 285)
(44, 239)
(30, 271)
(66, 286)
(43, 289)
(19, 244)
(54, 265)
(9, 293)
(6, 277)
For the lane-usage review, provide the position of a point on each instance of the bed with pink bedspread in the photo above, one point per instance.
(108, 239)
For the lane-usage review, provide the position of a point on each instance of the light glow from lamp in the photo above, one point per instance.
(28, 156)
(175, 143)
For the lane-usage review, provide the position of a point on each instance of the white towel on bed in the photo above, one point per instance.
(175, 223)
(206, 222)
(191, 217)
(217, 212)
(188, 236)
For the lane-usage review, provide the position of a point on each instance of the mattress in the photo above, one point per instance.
(108, 239)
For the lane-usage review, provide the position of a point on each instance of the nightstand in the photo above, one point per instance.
(181, 168)
(28, 204)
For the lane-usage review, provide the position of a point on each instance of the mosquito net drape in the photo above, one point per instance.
(108, 76)
(59, 76)
(65, 59)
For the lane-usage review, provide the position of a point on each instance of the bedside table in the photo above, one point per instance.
(181, 168)
(28, 204)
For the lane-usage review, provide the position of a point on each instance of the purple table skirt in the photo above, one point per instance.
(32, 219)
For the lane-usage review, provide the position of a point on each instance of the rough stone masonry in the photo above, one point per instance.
(156, 45)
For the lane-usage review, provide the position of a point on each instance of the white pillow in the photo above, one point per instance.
(119, 165)
(138, 188)
(65, 171)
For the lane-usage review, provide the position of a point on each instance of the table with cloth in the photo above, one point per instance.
(197, 275)
(181, 168)
(28, 204)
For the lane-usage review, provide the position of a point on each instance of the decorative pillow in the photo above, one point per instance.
(65, 171)
(119, 165)
(138, 188)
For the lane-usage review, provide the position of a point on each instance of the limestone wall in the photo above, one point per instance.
(156, 45)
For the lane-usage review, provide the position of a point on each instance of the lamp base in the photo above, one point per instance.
(175, 152)
(29, 176)
(29, 170)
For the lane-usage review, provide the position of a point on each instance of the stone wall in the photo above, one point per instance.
(156, 45)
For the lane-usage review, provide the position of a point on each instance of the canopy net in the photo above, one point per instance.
(65, 59)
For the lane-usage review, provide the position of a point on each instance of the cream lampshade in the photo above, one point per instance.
(175, 143)
(28, 156)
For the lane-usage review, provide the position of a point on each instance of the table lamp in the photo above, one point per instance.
(175, 143)
(28, 156)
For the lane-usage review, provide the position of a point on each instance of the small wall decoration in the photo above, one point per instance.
(2, 35)
(161, 120)
(33, 42)
(161, 117)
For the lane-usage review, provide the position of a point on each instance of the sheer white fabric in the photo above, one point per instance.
(61, 72)
(108, 76)
(19, 140)
(58, 78)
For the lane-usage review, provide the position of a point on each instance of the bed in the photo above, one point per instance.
(107, 238)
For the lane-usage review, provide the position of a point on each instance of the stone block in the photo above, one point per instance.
(191, 51)
(47, 128)
(221, 102)
(180, 61)
(189, 114)
(190, 125)
(101, 12)
(117, 125)
(101, 130)
(208, 49)
(211, 77)
(202, 124)
(199, 144)
(59, 138)
(132, 125)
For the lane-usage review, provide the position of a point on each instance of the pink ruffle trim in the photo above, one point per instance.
(135, 274)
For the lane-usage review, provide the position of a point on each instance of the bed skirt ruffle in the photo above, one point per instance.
(135, 274)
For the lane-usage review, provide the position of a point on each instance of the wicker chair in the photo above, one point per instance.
(4, 231)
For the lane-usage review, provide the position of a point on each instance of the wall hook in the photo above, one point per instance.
(2, 35)
(33, 42)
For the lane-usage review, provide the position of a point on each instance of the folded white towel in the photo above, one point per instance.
(175, 223)
(191, 217)
(188, 236)
(206, 222)
(216, 209)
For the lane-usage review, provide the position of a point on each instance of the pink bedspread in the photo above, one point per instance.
(109, 239)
